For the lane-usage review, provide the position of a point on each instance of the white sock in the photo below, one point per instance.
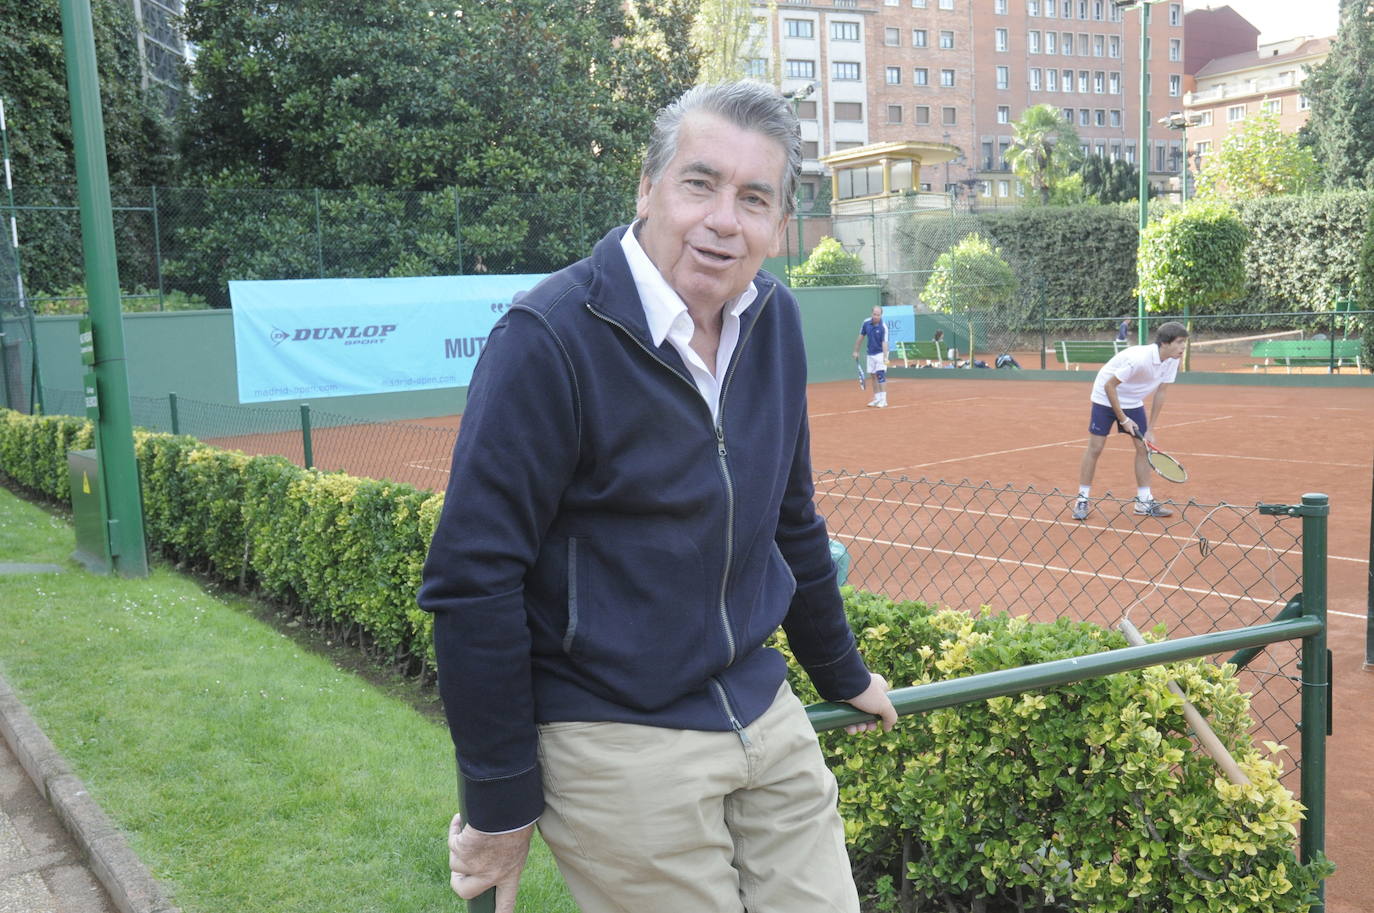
(1084, 491)
(1143, 494)
(882, 397)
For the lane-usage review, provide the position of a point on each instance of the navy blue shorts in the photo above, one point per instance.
(1103, 418)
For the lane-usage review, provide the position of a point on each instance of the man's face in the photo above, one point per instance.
(716, 212)
(877, 315)
(1173, 349)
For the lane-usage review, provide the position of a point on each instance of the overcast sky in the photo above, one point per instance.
(1280, 19)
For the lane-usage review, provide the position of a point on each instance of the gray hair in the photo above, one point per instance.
(748, 105)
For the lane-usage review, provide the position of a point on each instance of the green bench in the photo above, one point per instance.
(1297, 352)
(916, 351)
(1078, 352)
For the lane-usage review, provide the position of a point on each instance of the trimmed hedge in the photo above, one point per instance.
(1088, 797)
(339, 549)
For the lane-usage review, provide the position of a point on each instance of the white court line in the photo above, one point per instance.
(1185, 542)
(1063, 570)
(1078, 440)
(1233, 456)
(1348, 615)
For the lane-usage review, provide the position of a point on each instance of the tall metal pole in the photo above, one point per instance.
(118, 466)
(1144, 156)
(1316, 683)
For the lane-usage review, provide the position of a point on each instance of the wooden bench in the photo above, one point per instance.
(1078, 352)
(1297, 352)
(916, 351)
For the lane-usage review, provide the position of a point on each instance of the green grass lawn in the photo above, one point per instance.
(249, 772)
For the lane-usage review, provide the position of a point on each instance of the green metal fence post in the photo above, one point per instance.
(458, 227)
(309, 450)
(118, 466)
(319, 235)
(172, 407)
(157, 250)
(1316, 682)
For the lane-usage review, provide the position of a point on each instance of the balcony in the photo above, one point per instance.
(1238, 89)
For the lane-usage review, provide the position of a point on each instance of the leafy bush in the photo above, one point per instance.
(72, 300)
(830, 264)
(971, 275)
(1192, 260)
(1087, 797)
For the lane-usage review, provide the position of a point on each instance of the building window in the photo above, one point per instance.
(1051, 42)
(1114, 46)
(918, 38)
(894, 114)
(894, 76)
(1084, 117)
(849, 111)
(1083, 81)
(1066, 43)
(844, 71)
(1099, 82)
(810, 149)
(1160, 157)
(757, 67)
(1175, 13)
(801, 69)
(1097, 10)
(922, 115)
(1003, 114)
(1035, 79)
(1083, 47)
(1099, 118)
(1235, 113)
(987, 155)
(1003, 77)
(1100, 150)
(1272, 106)
(1068, 81)
(1033, 7)
(949, 116)
(1116, 117)
(1033, 42)
(1130, 153)
(1082, 9)
(892, 37)
(918, 4)
(1003, 188)
(806, 110)
(999, 7)
(844, 31)
(1068, 115)
(1098, 45)
(1000, 37)
(1204, 119)
(1114, 83)
(946, 4)
(920, 77)
(1202, 147)
(1303, 105)
(1175, 49)
(946, 39)
(800, 28)
(1051, 80)
(1175, 84)
(947, 79)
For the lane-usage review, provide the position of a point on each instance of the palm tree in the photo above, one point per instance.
(1044, 149)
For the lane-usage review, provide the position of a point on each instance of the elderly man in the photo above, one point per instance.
(628, 521)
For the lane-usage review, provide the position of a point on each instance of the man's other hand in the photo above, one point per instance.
(874, 700)
(480, 861)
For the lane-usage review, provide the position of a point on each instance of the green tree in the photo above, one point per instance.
(1044, 150)
(970, 276)
(1364, 297)
(33, 81)
(1258, 160)
(523, 95)
(1339, 129)
(725, 38)
(1109, 180)
(830, 264)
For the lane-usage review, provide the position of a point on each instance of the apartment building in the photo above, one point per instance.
(961, 72)
(1228, 90)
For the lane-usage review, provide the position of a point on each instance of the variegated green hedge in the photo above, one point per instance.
(339, 548)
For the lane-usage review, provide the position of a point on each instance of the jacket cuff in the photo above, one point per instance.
(504, 804)
(842, 678)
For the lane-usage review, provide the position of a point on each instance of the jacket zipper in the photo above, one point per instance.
(719, 430)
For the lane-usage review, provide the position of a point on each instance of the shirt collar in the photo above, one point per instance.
(662, 306)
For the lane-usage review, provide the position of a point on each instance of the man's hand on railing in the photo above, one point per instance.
(874, 700)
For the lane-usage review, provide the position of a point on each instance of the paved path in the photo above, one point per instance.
(41, 868)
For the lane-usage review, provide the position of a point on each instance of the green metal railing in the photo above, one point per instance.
(1303, 618)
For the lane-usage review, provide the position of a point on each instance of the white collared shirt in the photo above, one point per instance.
(1140, 370)
(669, 319)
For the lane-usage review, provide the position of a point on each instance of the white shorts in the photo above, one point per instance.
(876, 363)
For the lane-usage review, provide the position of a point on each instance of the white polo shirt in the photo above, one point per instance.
(1140, 370)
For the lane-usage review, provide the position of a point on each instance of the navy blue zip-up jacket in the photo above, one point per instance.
(607, 552)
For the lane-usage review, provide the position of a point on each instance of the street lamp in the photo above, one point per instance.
(1143, 154)
(1176, 121)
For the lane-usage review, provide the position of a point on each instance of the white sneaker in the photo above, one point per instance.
(874, 402)
(881, 405)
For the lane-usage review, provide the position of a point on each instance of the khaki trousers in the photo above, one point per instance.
(649, 820)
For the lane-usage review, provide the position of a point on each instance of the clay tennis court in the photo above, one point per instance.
(889, 480)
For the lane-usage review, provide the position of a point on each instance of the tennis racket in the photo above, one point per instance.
(1165, 466)
(863, 377)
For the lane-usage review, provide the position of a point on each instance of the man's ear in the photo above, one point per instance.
(642, 201)
(779, 237)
